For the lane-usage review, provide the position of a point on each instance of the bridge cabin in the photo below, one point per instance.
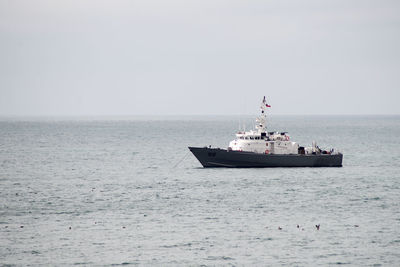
(264, 142)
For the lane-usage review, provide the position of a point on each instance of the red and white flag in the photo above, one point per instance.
(265, 103)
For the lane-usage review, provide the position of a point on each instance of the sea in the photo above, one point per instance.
(110, 191)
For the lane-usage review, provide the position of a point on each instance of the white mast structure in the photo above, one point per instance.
(262, 119)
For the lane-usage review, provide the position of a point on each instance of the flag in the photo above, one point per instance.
(265, 103)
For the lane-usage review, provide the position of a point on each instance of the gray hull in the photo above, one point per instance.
(216, 157)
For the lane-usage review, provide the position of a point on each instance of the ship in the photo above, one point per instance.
(260, 148)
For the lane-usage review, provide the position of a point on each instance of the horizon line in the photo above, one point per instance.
(178, 115)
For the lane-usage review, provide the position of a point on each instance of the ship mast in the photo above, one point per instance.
(262, 119)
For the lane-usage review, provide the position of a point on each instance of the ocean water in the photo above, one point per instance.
(127, 191)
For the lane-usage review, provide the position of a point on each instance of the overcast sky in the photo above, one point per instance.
(144, 57)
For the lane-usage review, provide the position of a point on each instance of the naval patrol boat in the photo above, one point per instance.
(260, 148)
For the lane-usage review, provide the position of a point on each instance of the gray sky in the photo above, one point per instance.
(92, 57)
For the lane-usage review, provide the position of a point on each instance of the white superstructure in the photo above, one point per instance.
(262, 141)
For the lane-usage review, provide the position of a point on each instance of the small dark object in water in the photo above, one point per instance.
(123, 227)
(317, 226)
(21, 226)
(70, 228)
(279, 228)
(298, 226)
(356, 225)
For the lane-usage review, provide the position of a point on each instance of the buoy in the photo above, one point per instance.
(287, 138)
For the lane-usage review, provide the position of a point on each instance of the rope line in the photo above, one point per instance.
(187, 153)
